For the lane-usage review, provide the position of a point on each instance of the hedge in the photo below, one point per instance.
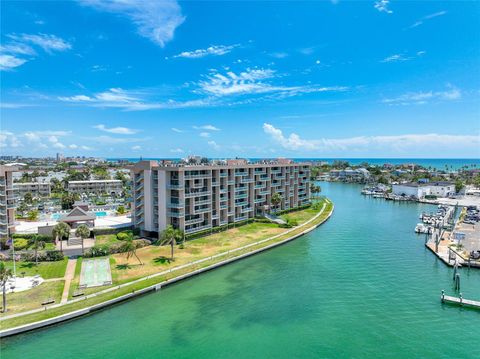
(105, 249)
(222, 228)
(104, 231)
(30, 237)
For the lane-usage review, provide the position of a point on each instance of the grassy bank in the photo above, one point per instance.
(156, 259)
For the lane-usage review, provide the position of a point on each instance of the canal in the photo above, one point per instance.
(362, 285)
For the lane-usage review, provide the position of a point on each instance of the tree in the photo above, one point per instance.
(458, 185)
(121, 210)
(61, 230)
(314, 189)
(276, 199)
(32, 215)
(130, 248)
(28, 198)
(170, 236)
(37, 245)
(83, 232)
(68, 199)
(5, 273)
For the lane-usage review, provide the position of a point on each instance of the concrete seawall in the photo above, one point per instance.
(154, 287)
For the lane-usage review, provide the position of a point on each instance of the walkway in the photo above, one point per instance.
(69, 274)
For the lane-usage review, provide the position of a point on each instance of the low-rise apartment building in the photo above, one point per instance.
(36, 189)
(193, 198)
(7, 201)
(421, 189)
(96, 187)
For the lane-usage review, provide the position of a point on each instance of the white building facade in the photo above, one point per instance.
(199, 197)
(420, 190)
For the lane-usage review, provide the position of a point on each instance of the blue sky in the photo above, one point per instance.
(251, 79)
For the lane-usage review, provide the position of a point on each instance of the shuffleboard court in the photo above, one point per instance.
(95, 272)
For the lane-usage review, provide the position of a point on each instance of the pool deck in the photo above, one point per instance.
(100, 222)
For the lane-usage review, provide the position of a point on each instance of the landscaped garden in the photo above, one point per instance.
(140, 262)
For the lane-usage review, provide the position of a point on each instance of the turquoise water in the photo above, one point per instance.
(57, 216)
(438, 163)
(360, 286)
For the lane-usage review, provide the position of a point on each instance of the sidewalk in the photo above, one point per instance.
(69, 274)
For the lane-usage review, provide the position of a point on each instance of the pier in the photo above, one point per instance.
(459, 301)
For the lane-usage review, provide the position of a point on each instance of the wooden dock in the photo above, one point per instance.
(460, 301)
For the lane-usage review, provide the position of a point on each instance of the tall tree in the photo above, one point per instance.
(170, 236)
(130, 248)
(37, 245)
(276, 200)
(61, 230)
(83, 232)
(5, 273)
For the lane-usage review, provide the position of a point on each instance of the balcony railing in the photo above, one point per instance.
(196, 193)
(176, 204)
(193, 221)
(179, 214)
(197, 228)
(197, 175)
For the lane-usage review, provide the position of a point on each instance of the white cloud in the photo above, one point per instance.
(9, 140)
(136, 148)
(410, 143)
(176, 150)
(73, 146)
(420, 98)
(117, 130)
(115, 140)
(216, 50)
(214, 145)
(428, 17)
(13, 53)
(86, 148)
(403, 57)
(9, 62)
(47, 42)
(382, 6)
(206, 127)
(155, 20)
(205, 134)
(279, 55)
(253, 81)
(174, 129)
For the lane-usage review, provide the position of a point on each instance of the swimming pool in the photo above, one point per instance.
(57, 216)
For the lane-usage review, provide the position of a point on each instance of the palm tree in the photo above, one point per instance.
(130, 248)
(276, 199)
(36, 246)
(83, 232)
(5, 273)
(170, 236)
(61, 230)
(314, 189)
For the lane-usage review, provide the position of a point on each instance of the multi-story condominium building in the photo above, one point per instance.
(7, 201)
(98, 187)
(193, 198)
(36, 189)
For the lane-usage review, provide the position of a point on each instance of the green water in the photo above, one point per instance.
(360, 286)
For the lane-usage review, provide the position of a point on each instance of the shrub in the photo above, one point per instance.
(140, 243)
(97, 251)
(50, 256)
(20, 243)
(31, 236)
(121, 236)
(105, 231)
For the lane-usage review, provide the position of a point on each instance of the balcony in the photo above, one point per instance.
(193, 193)
(202, 210)
(198, 228)
(240, 196)
(242, 173)
(259, 186)
(223, 206)
(223, 174)
(193, 221)
(259, 200)
(179, 214)
(246, 209)
(205, 201)
(176, 205)
(197, 175)
(231, 182)
(247, 180)
(179, 185)
(242, 218)
(239, 189)
(264, 192)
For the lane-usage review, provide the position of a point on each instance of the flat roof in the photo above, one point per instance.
(95, 181)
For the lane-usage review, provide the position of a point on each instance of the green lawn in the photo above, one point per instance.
(106, 239)
(45, 269)
(33, 298)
